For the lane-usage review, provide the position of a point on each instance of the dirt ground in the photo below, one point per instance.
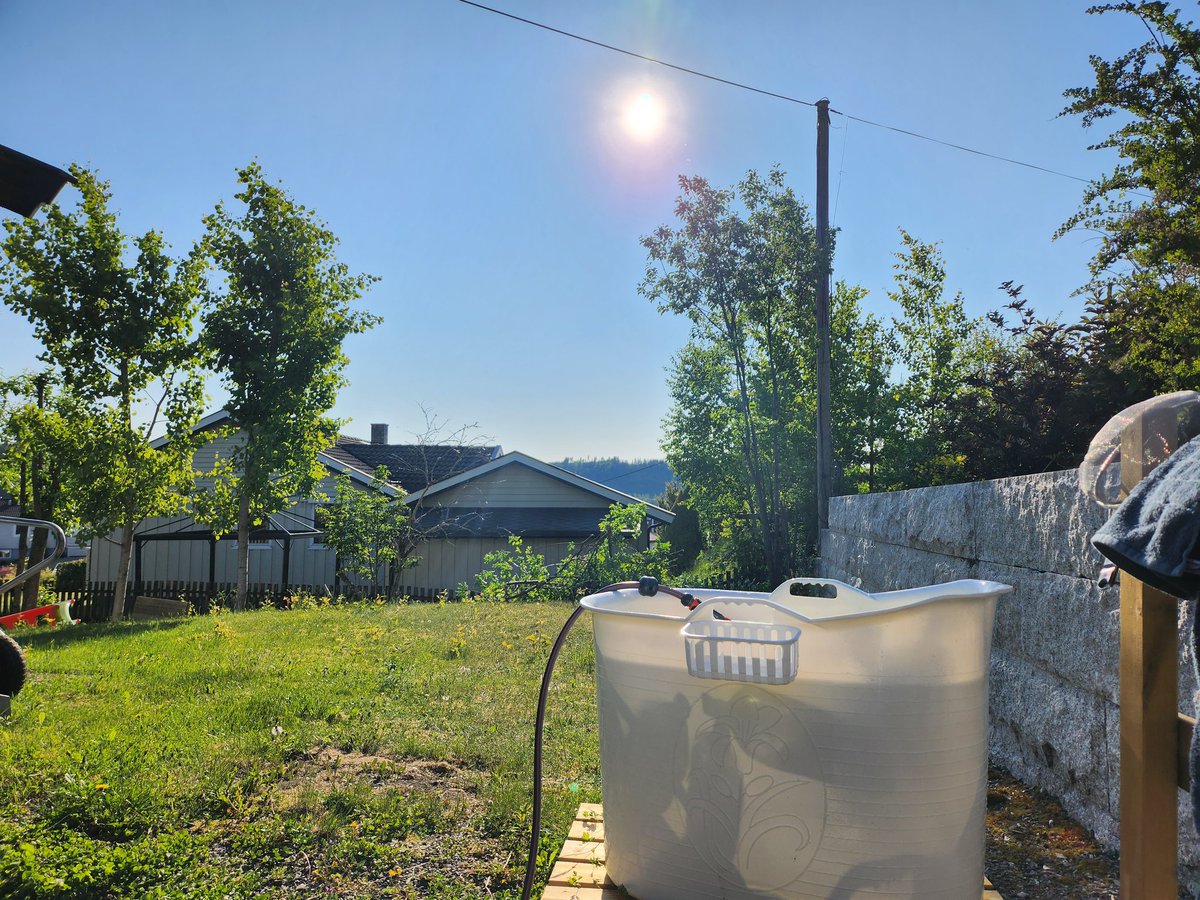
(1036, 851)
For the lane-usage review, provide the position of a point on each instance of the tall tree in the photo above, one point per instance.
(115, 320)
(865, 408)
(742, 267)
(937, 344)
(275, 330)
(1145, 290)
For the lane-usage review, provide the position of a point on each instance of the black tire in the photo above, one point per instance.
(12, 665)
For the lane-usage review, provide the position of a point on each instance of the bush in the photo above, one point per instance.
(71, 576)
(522, 574)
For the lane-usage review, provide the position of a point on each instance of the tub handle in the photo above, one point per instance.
(827, 588)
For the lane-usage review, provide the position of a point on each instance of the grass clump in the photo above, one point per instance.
(361, 750)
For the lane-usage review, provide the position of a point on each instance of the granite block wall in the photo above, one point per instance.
(1054, 684)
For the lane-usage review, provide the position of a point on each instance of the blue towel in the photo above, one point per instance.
(1153, 533)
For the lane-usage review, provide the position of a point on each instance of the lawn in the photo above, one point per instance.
(356, 751)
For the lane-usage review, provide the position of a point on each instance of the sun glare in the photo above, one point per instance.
(644, 117)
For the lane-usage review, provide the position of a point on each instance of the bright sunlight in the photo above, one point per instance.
(643, 117)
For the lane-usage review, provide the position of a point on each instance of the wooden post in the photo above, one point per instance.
(212, 570)
(1149, 702)
(287, 566)
(824, 428)
(137, 569)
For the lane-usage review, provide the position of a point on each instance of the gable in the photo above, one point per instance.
(518, 485)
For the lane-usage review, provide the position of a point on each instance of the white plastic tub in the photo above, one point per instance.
(862, 772)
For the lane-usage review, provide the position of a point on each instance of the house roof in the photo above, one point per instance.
(426, 470)
(516, 458)
(412, 466)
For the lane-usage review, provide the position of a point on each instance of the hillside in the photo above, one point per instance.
(644, 478)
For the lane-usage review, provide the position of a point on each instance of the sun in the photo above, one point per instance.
(643, 117)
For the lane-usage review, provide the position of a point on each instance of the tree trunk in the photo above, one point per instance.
(120, 589)
(37, 552)
(243, 554)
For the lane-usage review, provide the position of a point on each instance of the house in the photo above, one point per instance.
(466, 500)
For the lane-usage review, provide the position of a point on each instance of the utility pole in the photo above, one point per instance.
(824, 433)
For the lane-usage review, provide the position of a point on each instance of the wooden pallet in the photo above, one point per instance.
(579, 873)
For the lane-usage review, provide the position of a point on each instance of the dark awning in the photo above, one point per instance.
(26, 183)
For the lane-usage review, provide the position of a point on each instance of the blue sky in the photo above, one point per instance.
(481, 168)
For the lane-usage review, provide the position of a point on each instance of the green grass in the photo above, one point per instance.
(357, 751)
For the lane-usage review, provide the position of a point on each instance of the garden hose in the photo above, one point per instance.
(647, 587)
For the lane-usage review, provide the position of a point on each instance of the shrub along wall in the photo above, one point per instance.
(1054, 673)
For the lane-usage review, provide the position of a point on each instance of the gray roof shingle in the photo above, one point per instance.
(411, 466)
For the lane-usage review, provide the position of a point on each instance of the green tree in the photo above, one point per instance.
(369, 530)
(115, 321)
(274, 332)
(683, 534)
(1145, 289)
(1028, 404)
(864, 400)
(743, 268)
(39, 455)
(938, 345)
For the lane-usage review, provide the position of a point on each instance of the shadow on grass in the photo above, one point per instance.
(45, 636)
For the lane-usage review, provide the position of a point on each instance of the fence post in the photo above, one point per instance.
(1149, 700)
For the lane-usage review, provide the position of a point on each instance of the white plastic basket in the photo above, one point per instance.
(754, 652)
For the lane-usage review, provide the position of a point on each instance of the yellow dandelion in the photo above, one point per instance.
(101, 786)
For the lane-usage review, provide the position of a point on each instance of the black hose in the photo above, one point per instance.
(647, 587)
(535, 835)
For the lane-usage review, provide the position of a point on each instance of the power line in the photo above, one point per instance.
(777, 96)
(925, 137)
(659, 62)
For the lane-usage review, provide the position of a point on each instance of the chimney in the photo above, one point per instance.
(379, 433)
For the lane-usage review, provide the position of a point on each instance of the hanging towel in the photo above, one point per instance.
(1152, 536)
(1153, 533)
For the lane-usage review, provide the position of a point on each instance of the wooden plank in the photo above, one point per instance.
(591, 812)
(561, 892)
(583, 851)
(145, 608)
(1149, 698)
(578, 874)
(586, 831)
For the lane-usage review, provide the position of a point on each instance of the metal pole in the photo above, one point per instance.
(824, 432)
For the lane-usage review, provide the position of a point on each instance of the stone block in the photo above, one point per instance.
(1040, 522)
(1064, 626)
(887, 567)
(1052, 735)
(938, 519)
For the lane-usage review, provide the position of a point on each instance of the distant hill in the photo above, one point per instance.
(644, 478)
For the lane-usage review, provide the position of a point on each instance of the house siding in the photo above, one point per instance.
(446, 564)
(517, 485)
(187, 560)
